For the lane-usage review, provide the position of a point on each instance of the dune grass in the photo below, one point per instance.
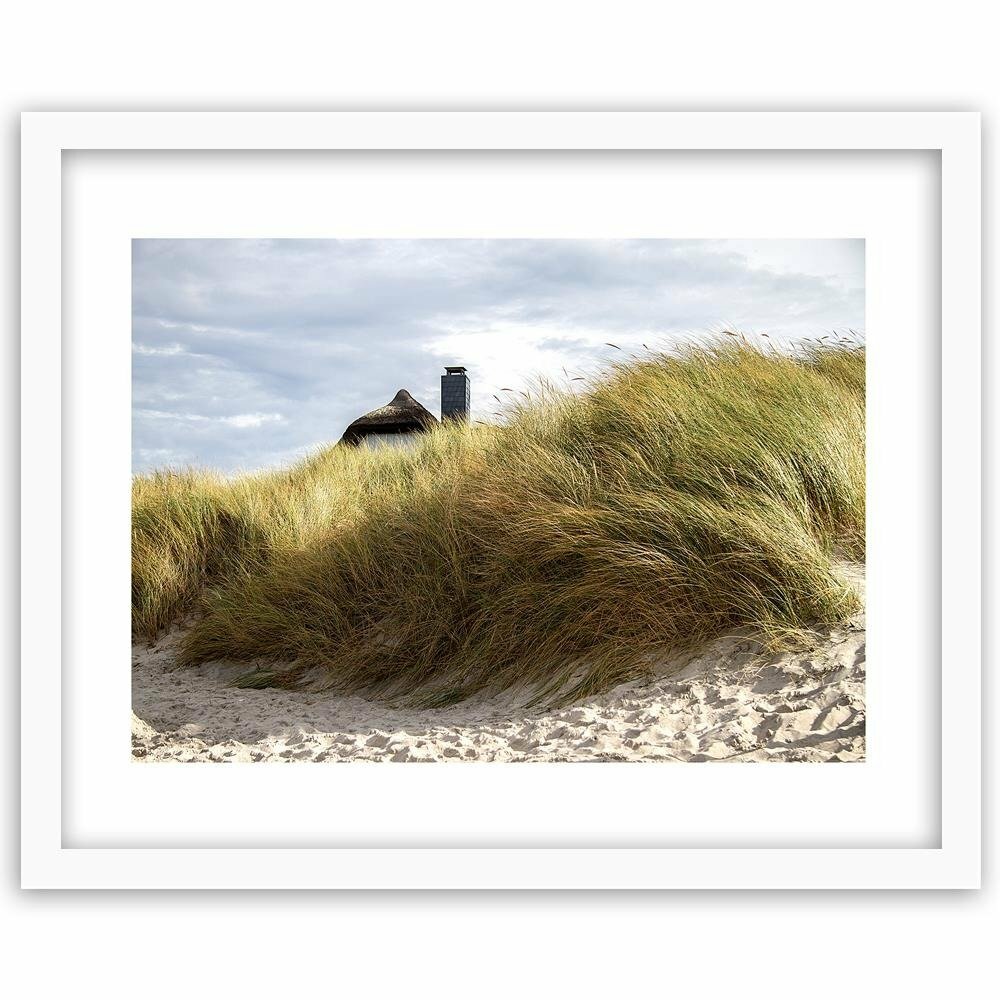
(679, 497)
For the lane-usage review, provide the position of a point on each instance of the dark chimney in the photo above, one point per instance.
(454, 394)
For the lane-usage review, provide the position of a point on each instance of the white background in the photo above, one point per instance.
(443, 55)
(888, 199)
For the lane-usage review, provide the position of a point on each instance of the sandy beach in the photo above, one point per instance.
(731, 702)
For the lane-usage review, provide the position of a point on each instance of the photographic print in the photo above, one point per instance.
(498, 500)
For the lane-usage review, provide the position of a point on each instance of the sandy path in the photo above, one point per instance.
(728, 703)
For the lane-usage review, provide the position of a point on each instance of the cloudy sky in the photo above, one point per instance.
(250, 353)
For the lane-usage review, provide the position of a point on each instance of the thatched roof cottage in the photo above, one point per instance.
(403, 418)
(396, 423)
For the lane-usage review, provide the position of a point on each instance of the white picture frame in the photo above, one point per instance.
(52, 859)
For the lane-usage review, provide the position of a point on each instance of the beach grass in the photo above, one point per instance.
(676, 497)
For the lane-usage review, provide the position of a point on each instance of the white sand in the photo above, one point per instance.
(728, 703)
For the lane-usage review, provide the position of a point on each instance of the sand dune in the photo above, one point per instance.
(730, 702)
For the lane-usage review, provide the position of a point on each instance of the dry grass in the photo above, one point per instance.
(679, 497)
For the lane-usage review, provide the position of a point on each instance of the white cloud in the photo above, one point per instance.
(252, 419)
(236, 420)
(164, 352)
(838, 261)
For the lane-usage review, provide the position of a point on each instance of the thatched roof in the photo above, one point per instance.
(401, 415)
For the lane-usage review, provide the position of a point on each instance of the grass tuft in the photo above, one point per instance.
(676, 498)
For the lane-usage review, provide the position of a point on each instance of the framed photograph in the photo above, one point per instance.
(507, 443)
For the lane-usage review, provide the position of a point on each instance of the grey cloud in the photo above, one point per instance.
(315, 332)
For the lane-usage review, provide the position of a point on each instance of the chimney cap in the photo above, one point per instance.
(454, 369)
